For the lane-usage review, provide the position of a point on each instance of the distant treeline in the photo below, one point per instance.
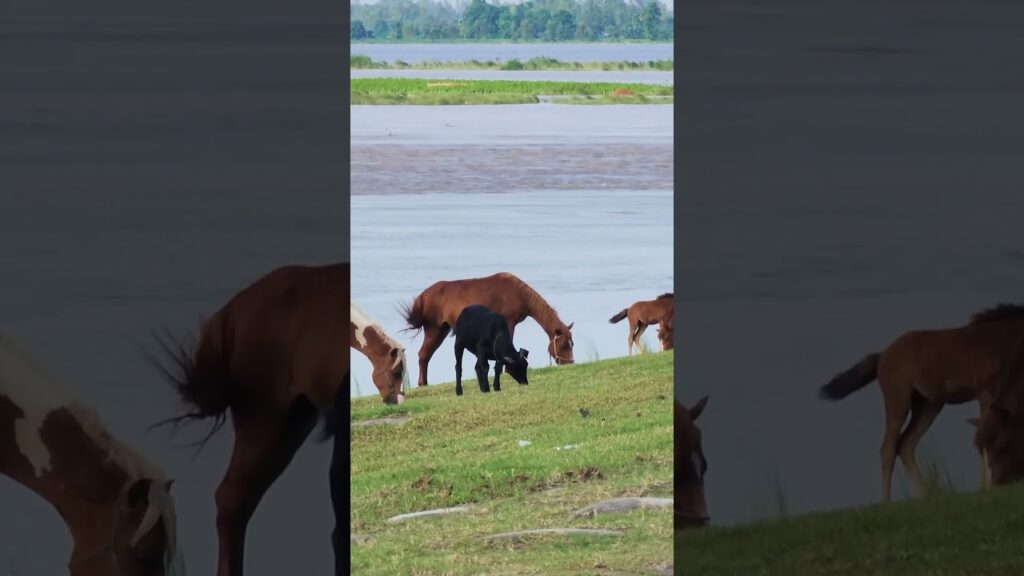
(530, 21)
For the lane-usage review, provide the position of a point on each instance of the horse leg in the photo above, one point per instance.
(339, 459)
(640, 328)
(432, 339)
(922, 415)
(896, 409)
(481, 371)
(458, 366)
(264, 446)
(632, 330)
(497, 374)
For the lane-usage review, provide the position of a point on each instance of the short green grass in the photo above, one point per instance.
(465, 450)
(421, 91)
(979, 533)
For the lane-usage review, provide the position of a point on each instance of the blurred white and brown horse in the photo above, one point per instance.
(385, 354)
(115, 503)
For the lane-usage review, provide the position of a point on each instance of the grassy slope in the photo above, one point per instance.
(979, 533)
(465, 451)
(423, 91)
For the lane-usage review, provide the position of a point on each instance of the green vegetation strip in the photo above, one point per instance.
(466, 451)
(945, 535)
(438, 92)
(361, 61)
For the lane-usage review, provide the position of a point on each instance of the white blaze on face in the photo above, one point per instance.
(36, 392)
(360, 320)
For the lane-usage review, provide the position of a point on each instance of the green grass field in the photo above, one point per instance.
(465, 451)
(419, 91)
(979, 533)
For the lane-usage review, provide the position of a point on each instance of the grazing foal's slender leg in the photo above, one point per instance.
(264, 446)
(897, 405)
(433, 337)
(640, 328)
(632, 331)
(922, 415)
(459, 349)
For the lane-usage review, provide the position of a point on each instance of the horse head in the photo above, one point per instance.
(1000, 438)
(560, 346)
(690, 467)
(390, 374)
(144, 535)
(516, 365)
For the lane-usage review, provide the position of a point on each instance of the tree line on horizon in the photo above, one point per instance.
(532, 20)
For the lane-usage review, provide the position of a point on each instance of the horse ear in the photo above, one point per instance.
(138, 493)
(394, 353)
(168, 484)
(571, 324)
(695, 412)
(524, 352)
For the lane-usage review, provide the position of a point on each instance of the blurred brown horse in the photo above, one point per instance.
(115, 503)
(923, 370)
(437, 308)
(643, 314)
(1000, 431)
(385, 354)
(690, 466)
(277, 357)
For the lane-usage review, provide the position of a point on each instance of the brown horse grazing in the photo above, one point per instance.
(275, 356)
(923, 370)
(666, 334)
(116, 504)
(643, 314)
(386, 355)
(437, 308)
(1000, 431)
(691, 509)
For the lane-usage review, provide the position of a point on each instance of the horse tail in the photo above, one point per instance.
(201, 376)
(618, 317)
(413, 314)
(860, 375)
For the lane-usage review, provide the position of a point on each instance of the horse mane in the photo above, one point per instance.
(997, 313)
(370, 322)
(545, 313)
(665, 295)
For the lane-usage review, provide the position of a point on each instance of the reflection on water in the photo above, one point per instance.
(588, 253)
